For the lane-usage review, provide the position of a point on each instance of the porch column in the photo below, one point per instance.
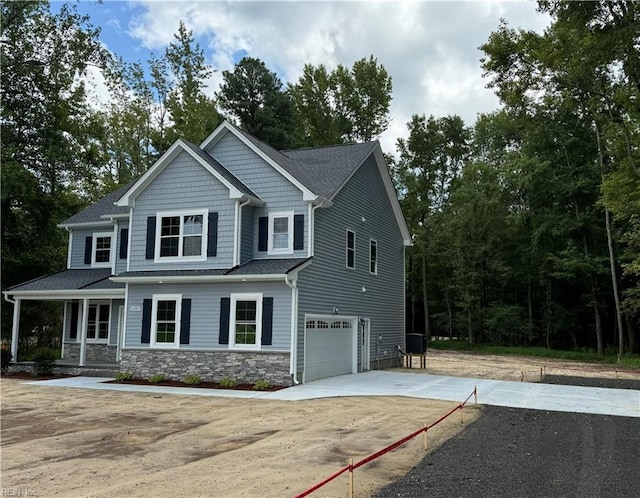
(15, 328)
(83, 331)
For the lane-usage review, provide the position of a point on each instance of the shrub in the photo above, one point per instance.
(5, 359)
(123, 376)
(192, 380)
(157, 378)
(44, 359)
(262, 385)
(227, 382)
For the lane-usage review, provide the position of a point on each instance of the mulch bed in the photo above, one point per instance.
(29, 376)
(201, 385)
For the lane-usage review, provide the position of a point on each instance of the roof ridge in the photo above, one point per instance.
(328, 146)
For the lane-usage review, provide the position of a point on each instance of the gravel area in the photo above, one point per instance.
(512, 452)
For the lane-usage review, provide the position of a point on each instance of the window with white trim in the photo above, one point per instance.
(101, 254)
(280, 233)
(165, 320)
(181, 235)
(98, 322)
(373, 256)
(351, 249)
(245, 324)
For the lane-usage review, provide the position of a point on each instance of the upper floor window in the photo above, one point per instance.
(101, 254)
(373, 256)
(280, 233)
(181, 236)
(351, 249)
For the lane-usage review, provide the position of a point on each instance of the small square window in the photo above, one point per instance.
(101, 255)
(373, 256)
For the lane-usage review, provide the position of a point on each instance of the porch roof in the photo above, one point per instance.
(77, 281)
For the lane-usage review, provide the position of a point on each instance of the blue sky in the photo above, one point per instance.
(430, 48)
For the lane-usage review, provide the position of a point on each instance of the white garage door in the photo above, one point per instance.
(329, 347)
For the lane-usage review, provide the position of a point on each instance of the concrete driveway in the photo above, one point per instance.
(575, 399)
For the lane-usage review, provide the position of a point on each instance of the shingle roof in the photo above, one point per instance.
(94, 278)
(103, 207)
(253, 267)
(323, 170)
(224, 172)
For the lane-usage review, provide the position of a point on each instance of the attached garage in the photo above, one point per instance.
(330, 346)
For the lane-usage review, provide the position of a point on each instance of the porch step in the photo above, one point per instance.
(97, 373)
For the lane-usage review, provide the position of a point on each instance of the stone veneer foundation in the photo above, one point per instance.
(101, 353)
(244, 367)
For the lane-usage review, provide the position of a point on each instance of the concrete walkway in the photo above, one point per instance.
(552, 397)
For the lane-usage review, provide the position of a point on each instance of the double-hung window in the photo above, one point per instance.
(280, 233)
(181, 236)
(245, 326)
(101, 255)
(351, 249)
(98, 322)
(373, 256)
(165, 325)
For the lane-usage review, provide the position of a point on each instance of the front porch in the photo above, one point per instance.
(67, 367)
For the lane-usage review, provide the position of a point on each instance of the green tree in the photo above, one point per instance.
(254, 96)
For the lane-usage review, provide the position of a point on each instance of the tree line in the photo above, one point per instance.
(525, 225)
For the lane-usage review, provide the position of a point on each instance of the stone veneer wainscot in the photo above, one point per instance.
(243, 367)
(101, 353)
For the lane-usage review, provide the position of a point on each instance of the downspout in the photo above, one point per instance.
(312, 210)
(237, 244)
(14, 327)
(294, 329)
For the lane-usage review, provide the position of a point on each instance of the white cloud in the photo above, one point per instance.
(429, 48)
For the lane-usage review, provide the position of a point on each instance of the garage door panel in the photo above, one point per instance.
(329, 347)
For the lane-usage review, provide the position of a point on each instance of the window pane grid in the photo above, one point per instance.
(98, 321)
(166, 321)
(246, 322)
(181, 236)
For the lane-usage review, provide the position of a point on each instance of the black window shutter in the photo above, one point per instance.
(212, 236)
(124, 241)
(88, 249)
(298, 232)
(151, 238)
(146, 322)
(225, 308)
(263, 231)
(185, 321)
(267, 321)
(73, 333)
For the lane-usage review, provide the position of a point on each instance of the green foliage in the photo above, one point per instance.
(345, 105)
(157, 378)
(255, 97)
(227, 382)
(5, 359)
(44, 360)
(124, 376)
(192, 380)
(262, 385)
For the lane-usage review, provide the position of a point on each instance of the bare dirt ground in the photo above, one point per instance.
(81, 443)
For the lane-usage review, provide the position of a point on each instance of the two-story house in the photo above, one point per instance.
(232, 259)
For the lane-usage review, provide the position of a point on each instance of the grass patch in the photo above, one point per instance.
(627, 361)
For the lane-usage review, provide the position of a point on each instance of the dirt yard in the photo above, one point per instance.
(81, 443)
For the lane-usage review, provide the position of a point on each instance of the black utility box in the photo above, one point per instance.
(416, 343)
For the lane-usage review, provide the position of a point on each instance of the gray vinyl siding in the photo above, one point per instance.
(327, 282)
(205, 312)
(121, 264)
(184, 184)
(246, 241)
(277, 192)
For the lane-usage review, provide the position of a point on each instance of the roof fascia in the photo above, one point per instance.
(152, 173)
(86, 224)
(57, 295)
(272, 277)
(121, 216)
(226, 127)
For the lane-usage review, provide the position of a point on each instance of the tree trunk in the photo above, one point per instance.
(596, 312)
(530, 305)
(427, 325)
(448, 302)
(612, 263)
(548, 327)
